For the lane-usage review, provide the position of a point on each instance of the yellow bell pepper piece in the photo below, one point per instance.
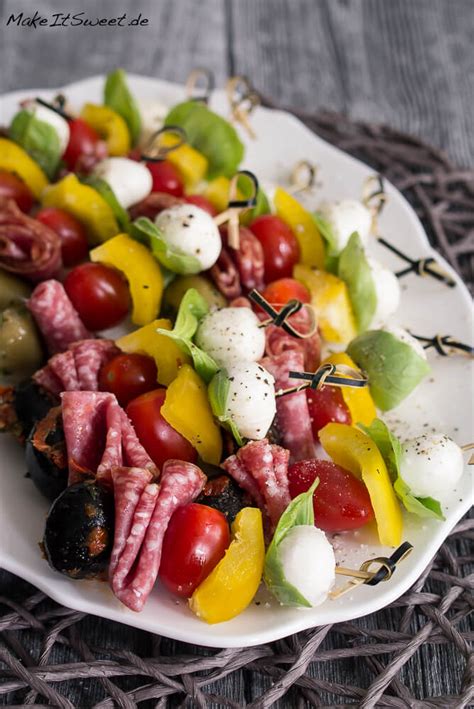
(15, 159)
(187, 409)
(166, 353)
(358, 400)
(232, 584)
(217, 192)
(84, 203)
(330, 299)
(303, 226)
(187, 160)
(110, 126)
(355, 451)
(140, 269)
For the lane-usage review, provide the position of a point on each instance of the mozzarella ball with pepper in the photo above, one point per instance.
(129, 180)
(191, 231)
(153, 114)
(251, 399)
(308, 562)
(431, 465)
(53, 119)
(345, 217)
(231, 335)
(387, 290)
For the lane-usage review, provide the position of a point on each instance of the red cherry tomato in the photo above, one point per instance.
(166, 178)
(99, 293)
(11, 187)
(195, 541)
(281, 250)
(128, 376)
(159, 439)
(340, 501)
(326, 405)
(74, 246)
(281, 291)
(83, 140)
(202, 202)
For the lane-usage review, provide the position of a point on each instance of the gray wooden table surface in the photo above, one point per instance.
(406, 63)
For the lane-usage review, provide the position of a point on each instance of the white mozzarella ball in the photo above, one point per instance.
(130, 181)
(308, 562)
(231, 335)
(60, 125)
(191, 230)
(387, 290)
(153, 114)
(251, 399)
(408, 339)
(345, 217)
(431, 465)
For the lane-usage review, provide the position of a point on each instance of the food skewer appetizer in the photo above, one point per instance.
(210, 444)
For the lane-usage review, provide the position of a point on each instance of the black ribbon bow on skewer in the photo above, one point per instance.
(445, 345)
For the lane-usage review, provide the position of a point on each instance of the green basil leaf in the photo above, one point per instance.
(325, 229)
(105, 191)
(38, 139)
(354, 270)
(262, 206)
(392, 453)
(299, 512)
(211, 135)
(117, 95)
(148, 233)
(192, 309)
(388, 445)
(218, 392)
(420, 506)
(393, 367)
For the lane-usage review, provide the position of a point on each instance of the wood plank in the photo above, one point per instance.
(180, 36)
(409, 65)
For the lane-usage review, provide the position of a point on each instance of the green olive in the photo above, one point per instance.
(21, 353)
(175, 291)
(12, 290)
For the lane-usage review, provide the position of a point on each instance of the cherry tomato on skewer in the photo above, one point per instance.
(99, 293)
(11, 187)
(128, 376)
(281, 250)
(340, 501)
(285, 289)
(195, 541)
(166, 178)
(74, 246)
(326, 405)
(161, 441)
(83, 141)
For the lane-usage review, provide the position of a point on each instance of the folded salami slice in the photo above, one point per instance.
(261, 469)
(279, 341)
(78, 368)
(152, 205)
(56, 317)
(99, 436)
(27, 247)
(238, 270)
(139, 536)
(293, 417)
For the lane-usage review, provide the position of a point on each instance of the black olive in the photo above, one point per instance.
(79, 532)
(22, 406)
(46, 456)
(223, 494)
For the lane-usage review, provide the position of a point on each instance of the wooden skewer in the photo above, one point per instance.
(237, 207)
(303, 176)
(242, 99)
(469, 447)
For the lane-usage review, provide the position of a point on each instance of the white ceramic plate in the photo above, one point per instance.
(443, 401)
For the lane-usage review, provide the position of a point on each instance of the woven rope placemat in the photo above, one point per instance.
(53, 656)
